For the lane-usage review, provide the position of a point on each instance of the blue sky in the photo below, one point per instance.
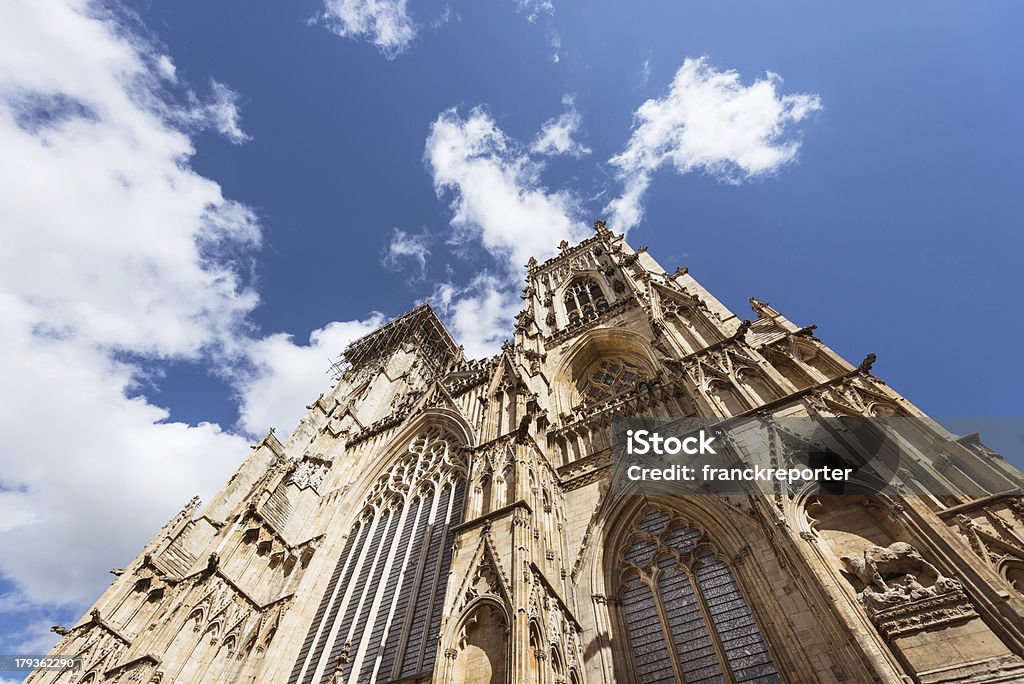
(207, 185)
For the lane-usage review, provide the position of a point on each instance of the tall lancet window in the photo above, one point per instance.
(583, 299)
(380, 616)
(685, 616)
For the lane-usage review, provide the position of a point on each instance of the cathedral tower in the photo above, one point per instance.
(440, 519)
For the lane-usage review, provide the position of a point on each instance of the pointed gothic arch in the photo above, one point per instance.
(680, 608)
(1012, 572)
(628, 354)
(715, 541)
(380, 614)
(481, 653)
(583, 298)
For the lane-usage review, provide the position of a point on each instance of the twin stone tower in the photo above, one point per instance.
(440, 519)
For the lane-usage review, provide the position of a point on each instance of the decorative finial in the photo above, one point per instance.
(600, 227)
(532, 263)
(563, 245)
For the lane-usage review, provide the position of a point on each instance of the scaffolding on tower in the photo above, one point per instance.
(419, 327)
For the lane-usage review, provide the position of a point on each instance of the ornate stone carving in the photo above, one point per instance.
(310, 472)
(899, 558)
(969, 529)
(485, 582)
(924, 613)
(897, 575)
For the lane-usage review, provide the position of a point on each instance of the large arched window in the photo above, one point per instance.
(608, 378)
(583, 299)
(685, 616)
(380, 615)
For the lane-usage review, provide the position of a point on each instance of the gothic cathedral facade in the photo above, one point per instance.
(439, 519)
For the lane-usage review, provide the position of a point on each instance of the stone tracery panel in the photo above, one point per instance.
(380, 614)
(685, 618)
(583, 299)
(609, 378)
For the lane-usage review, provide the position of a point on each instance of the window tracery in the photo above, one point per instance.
(380, 615)
(608, 379)
(682, 609)
(583, 299)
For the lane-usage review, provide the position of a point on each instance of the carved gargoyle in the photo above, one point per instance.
(867, 363)
(211, 563)
(742, 330)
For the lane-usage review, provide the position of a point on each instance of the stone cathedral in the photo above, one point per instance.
(441, 519)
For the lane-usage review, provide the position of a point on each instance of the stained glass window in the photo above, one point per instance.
(583, 299)
(380, 615)
(685, 616)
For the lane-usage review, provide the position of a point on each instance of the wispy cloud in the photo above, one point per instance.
(708, 121)
(220, 112)
(645, 72)
(480, 313)
(388, 24)
(444, 17)
(555, 40)
(224, 115)
(556, 135)
(384, 23)
(533, 9)
(405, 247)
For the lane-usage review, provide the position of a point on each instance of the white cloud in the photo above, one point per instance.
(385, 23)
(708, 121)
(534, 8)
(220, 113)
(388, 25)
(444, 17)
(123, 234)
(480, 314)
(113, 254)
(224, 115)
(90, 471)
(645, 72)
(405, 247)
(498, 200)
(497, 196)
(286, 377)
(556, 135)
(556, 44)
(166, 69)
